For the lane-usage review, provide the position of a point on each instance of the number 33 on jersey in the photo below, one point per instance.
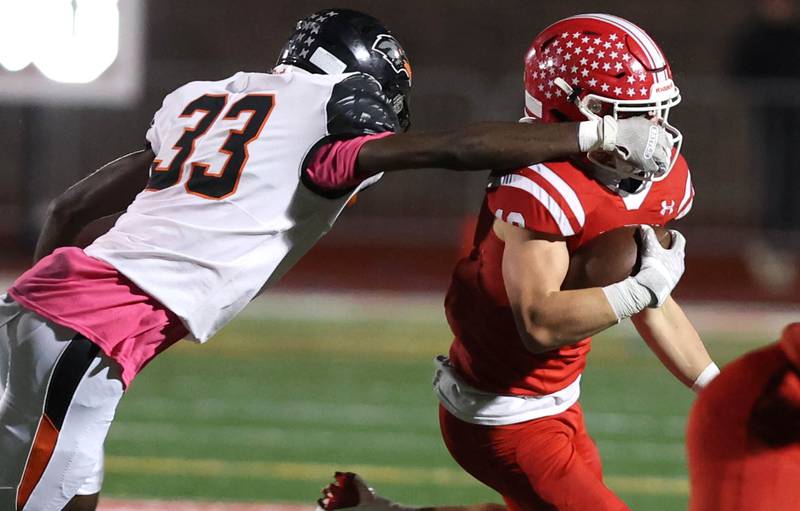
(203, 179)
(225, 212)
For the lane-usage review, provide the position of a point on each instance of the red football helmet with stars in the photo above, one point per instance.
(592, 65)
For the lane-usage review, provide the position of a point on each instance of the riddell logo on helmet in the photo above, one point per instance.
(663, 87)
(393, 53)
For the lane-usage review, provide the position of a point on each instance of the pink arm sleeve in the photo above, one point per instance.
(333, 165)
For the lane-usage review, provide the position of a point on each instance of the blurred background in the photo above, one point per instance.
(737, 66)
(347, 329)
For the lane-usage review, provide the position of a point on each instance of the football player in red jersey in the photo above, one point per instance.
(743, 438)
(509, 411)
(239, 178)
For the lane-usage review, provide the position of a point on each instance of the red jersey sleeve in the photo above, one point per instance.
(537, 199)
(688, 197)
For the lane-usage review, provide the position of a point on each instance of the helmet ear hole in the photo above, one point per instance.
(594, 106)
(559, 116)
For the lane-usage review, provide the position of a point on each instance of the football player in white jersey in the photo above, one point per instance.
(239, 178)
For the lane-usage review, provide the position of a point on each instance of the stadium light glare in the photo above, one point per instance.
(69, 41)
(78, 40)
(16, 49)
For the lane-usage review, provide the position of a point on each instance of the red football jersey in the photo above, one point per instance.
(554, 198)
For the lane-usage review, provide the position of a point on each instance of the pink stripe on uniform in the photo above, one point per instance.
(333, 165)
(91, 297)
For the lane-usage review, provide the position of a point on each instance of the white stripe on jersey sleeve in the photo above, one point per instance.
(687, 193)
(685, 211)
(566, 191)
(527, 184)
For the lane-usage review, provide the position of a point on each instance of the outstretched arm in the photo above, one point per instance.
(490, 145)
(107, 191)
(673, 338)
(506, 145)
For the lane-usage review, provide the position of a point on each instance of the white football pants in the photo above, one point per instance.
(58, 395)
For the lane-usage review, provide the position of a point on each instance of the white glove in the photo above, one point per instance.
(637, 141)
(661, 269)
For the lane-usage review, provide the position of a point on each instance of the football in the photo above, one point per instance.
(609, 258)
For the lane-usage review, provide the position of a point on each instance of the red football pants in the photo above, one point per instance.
(743, 436)
(548, 464)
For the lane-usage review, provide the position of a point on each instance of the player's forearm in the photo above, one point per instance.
(497, 145)
(565, 317)
(674, 340)
(508, 145)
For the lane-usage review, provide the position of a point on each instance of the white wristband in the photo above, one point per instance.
(588, 135)
(627, 297)
(709, 373)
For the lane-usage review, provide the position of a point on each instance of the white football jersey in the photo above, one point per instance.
(225, 213)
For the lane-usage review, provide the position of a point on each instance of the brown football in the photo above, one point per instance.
(608, 258)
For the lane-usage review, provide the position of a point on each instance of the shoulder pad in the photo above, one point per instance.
(537, 199)
(358, 107)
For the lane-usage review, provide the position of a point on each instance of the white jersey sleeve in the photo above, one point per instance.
(225, 213)
(160, 121)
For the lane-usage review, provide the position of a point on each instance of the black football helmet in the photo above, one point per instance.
(342, 41)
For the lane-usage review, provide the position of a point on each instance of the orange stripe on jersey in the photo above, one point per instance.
(44, 443)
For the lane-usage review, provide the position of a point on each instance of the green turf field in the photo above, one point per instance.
(269, 408)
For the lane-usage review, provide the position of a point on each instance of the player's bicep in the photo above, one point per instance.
(534, 264)
(330, 170)
(108, 190)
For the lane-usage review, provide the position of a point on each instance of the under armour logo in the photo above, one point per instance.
(667, 207)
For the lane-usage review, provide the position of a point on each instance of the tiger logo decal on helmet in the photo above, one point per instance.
(393, 53)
